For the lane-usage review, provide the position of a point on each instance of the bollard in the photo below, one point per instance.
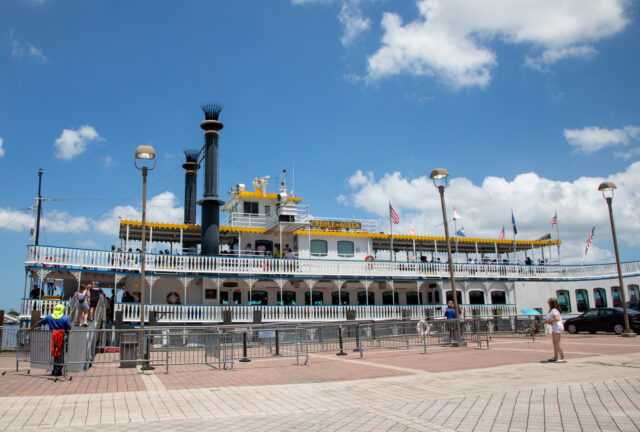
(244, 358)
(146, 364)
(357, 348)
(341, 353)
(277, 343)
(1, 327)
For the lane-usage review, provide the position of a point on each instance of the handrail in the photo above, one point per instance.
(58, 257)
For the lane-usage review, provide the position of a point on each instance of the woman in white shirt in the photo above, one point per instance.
(554, 318)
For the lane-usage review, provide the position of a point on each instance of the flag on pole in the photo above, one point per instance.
(501, 235)
(554, 220)
(461, 232)
(413, 232)
(456, 215)
(394, 215)
(513, 222)
(589, 240)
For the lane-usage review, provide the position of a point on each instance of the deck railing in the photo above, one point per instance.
(240, 314)
(50, 256)
(43, 305)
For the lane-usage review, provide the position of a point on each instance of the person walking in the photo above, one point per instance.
(94, 297)
(82, 306)
(554, 318)
(60, 325)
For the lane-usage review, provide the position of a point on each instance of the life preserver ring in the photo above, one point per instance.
(370, 259)
(423, 328)
(173, 298)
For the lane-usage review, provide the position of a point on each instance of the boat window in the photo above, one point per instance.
(600, 295)
(449, 296)
(362, 298)
(259, 297)
(498, 297)
(318, 298)
(319, 248)
(615, 296)
(413, 299)
(251, 207)
(476, 297)
(288, 296)
(224, 297)
(582, 300)
(345, 249)
(344, 298)
(267, 210)
(564, 301)
(633, 292)
(388, 299)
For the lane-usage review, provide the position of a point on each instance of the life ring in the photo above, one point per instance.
(423, 328)
(370, 259)
(173, 298)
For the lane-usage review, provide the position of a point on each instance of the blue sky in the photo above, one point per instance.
(529, 105)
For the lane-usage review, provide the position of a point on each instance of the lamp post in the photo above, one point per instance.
(607, 189)
(439, 177)
(143, 154)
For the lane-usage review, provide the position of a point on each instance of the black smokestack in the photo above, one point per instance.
(210, 202)
(191, 167)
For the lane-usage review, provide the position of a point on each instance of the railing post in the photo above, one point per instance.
(357, 348)
(341, 353)
(244, 358)
(277, 343)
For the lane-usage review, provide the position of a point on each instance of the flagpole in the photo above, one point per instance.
(455, 227)
(391, 230)
(558, 236)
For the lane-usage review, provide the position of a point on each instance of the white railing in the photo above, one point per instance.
(57, 257)
(246, 220)
(240, 314)
(44, 306)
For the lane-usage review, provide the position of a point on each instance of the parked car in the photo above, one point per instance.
(634, 304)
(610, 319)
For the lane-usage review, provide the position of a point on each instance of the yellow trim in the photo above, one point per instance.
(186, 227)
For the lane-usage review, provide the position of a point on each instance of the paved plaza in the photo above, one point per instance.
(449, 389)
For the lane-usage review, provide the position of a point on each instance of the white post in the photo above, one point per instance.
(150, 237)
(181, 241)
(126, 242)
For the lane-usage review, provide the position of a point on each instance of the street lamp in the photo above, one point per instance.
(144, 154)
(439, 177)
(607, 189)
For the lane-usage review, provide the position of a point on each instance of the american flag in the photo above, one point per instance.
(590, 239)
(394, 215)
(501, 235)
(554, 220)
(413, 231)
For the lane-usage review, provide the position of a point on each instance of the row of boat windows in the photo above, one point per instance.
(317, 298)
(599, 296)
(320, 248)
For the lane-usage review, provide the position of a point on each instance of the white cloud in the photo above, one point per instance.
(108, 161)
(451, 39)
(591, 139)
(72, 143)
(22, 49)
(342, 199)
(1, 148)
(353, 21)
(160, 208)
(487, 207)
(54, 221)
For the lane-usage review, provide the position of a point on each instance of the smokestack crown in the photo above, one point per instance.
(211, 111)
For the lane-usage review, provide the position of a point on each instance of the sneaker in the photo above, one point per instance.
(552, 360)
(561, 361)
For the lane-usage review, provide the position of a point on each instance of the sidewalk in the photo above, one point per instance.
(504, 388)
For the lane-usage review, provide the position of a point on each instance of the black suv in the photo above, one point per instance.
(635, 305)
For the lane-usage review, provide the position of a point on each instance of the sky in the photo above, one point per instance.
(529, 104)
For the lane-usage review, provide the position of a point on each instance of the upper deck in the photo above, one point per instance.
(129, 262)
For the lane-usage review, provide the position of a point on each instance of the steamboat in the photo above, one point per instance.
(271, 260)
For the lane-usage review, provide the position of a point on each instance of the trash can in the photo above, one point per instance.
(351, 314)
(257, 317)
(128, 350)
(226, 317)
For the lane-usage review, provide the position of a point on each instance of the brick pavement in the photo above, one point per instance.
(504, 388)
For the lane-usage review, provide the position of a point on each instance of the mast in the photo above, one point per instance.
(38, 207)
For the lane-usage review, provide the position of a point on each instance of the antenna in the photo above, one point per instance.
(293, 178)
